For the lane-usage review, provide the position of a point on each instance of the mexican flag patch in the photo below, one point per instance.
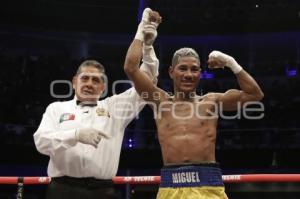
(66, 117)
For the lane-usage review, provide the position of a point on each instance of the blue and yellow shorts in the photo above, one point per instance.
(191, 182)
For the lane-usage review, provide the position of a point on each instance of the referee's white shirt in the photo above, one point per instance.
(56, 135)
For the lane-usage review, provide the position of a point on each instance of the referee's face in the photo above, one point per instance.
(88, 84)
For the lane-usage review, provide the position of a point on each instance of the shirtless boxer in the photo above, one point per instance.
(186, 122)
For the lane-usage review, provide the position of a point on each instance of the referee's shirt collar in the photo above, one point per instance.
(84, 103)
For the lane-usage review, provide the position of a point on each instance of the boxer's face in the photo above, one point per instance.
(88, 84)
(185, 74)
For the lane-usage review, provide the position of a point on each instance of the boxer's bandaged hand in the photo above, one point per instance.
(146, 15)
(89, 136)
(221, 59)
(145, 20)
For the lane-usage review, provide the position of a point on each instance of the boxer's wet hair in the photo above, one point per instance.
(184, 52)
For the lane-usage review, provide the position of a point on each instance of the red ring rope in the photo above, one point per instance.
(156, 179)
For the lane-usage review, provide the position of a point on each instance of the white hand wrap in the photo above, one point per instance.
(228, 60)
(145, 21)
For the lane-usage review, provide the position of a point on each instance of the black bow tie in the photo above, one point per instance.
(91, 104)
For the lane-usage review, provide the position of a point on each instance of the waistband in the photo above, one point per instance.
(191, 175)
(85, 182)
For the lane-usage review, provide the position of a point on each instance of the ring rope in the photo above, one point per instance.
(156, 179)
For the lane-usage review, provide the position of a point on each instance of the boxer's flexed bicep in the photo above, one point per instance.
(231, 100)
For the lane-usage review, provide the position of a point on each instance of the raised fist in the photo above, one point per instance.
(147, 28)
(217, 59)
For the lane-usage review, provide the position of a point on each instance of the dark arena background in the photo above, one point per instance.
(42, 41)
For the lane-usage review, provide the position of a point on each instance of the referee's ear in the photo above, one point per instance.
(74, 82)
